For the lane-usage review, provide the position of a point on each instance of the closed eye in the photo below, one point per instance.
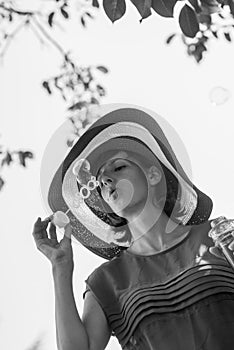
(116, 169)
(120, 167)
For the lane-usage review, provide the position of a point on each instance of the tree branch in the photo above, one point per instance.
(48, 37)
(11, 36)
(12, 10)
(37, 34)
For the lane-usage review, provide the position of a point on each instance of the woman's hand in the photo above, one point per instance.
(215, 250)
(59, 253)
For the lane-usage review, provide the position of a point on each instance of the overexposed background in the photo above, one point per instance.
(143, 71)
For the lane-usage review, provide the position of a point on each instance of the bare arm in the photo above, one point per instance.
(90, 333)
(95, 323)
(70, 331)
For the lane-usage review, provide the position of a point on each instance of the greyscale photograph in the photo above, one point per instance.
(116, 174)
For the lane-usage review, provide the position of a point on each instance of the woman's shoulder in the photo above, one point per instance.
(105, 267)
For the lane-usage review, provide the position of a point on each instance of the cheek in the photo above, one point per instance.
(141, 181)
(126, 187)
(137, 185)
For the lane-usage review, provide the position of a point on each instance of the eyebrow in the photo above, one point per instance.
(113, 160)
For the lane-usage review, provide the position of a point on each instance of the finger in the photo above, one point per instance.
(67, 234)
(53, 233)
(49, 218)
(217, 252)
(68, 231)
(40, 224)
(39, 229)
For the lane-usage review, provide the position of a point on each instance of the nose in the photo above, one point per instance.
(107, 180)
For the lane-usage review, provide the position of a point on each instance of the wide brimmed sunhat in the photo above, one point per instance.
(74, 187)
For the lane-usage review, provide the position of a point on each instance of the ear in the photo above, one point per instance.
(154, 175)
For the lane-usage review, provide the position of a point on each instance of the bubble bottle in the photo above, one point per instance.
(222, 233)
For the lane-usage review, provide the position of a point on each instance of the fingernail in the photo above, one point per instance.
(47, 219)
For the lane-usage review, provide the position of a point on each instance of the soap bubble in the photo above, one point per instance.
(219, 95)
(84, 177)
(82, 171)
(84, 192)
(92, 184)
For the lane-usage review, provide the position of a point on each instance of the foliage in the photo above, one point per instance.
(77, 84)
(8, 157)
(199, 20)
(37, 345)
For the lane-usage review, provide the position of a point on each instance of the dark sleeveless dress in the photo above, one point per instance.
(179, 299)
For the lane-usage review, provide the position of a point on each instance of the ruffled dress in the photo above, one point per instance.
(179, 299)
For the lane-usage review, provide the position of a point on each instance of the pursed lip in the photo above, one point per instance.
(112, 194)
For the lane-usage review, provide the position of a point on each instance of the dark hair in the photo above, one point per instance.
(172, 188)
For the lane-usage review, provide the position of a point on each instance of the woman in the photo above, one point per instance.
(162, 287)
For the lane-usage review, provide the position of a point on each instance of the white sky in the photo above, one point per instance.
(143, 71)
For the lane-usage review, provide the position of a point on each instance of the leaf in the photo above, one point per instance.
(228, 37)
(210, 6)
(204, 18)
(188, 21)
(169, 39)
(89, 15)
(64, 13)
(28, 154)
(7, 159)
(102, 69)
(214, 33)
(195, 5)
(37, 345)
(143, 7)
(198, 56)
(1, 183)
(95, 3)
(70, 143)
(202, 47)
(198, 53)
(164, 8)
(231, 6)
(83, 21)
(221, 16)
(94, 101)
(46, 86)
(50, 19)
(77, 105)
(23, 156)
(114, 9)
(101, 90)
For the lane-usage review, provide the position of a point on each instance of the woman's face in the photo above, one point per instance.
(123, 183)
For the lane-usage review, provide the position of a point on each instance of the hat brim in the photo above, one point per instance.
(55, 196)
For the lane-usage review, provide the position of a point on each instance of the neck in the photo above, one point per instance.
(152, 230)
